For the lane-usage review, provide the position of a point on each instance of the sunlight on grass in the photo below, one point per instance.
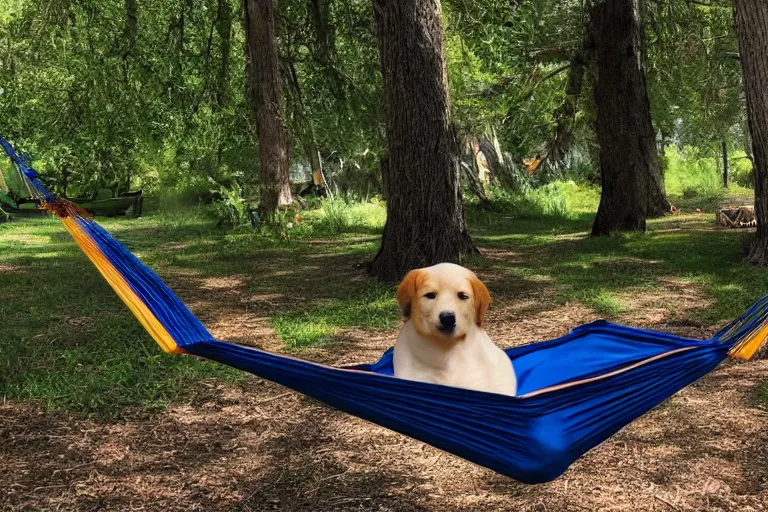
(602, 302)
(375, 308)
(68, 342)
(335, 216)
(72, 344)
(51, 254)
(565, 200)
(695, 181)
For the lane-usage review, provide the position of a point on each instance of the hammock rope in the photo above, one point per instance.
(574, 392)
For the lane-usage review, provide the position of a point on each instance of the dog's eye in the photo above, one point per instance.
(463, 296)
(431, 295)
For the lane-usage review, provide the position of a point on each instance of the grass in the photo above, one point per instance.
(373, 308)
(695, 181)
(599, 272)
(337, 217)
(69, 343)
(762, 394)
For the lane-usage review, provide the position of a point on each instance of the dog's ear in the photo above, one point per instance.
(482, 299)
(407, 290)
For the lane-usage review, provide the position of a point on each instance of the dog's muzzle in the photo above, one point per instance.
(447, 322)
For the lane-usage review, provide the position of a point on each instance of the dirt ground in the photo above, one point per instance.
(261, 447)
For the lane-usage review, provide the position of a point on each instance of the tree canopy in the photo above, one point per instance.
(153, 94)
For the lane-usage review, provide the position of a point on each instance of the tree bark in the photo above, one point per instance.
(131, 29)
(658, 202)
(751, 20)
(425, 219)
(565, 115)
(632, 188)
(266, 93)
(725, 164)
(302, 124)
(224, 31)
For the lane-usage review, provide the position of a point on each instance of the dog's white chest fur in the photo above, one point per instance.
(473, 363)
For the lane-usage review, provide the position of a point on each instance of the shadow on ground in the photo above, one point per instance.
(173, 433)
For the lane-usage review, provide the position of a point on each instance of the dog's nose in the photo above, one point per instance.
(447, 320)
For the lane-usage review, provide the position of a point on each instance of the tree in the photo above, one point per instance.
(751, 20)
(266, 95)
(632, 188)
(725, 163)
(425, 219)
(224, 30)
(693, 77)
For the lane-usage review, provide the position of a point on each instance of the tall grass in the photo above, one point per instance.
(560, 199)
(336, 216)
(688, 174)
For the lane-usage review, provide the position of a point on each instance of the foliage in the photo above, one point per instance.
(231, 208)
(741, 172)
(102, 97)
(694, 74)
(559, 199)
(336, 216)
(334, 90)
(507, 66)
(690, 173)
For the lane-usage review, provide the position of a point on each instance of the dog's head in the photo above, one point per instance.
(444, 301)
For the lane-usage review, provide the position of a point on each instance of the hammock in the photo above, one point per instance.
(574, 392)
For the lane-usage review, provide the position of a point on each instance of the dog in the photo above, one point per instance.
(442, 340)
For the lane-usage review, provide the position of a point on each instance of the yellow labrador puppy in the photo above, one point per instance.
(443, 340)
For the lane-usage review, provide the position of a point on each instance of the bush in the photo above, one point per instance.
(742, 173)
(231, 208)
(549, 200)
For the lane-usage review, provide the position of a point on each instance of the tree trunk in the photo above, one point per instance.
(131, 29)
(565, 115)
(177, 81)
(658, 203)
(266, 93)
(632, 188)
(303, 127)
(751, 20)
(725, 164)
(425, 219)
(224, 30)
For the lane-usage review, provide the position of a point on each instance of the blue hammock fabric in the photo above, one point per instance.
(574, 392)
(30, 176)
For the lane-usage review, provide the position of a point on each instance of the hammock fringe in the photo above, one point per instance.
(747, 333)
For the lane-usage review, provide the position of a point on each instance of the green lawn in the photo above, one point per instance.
(69, 343)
